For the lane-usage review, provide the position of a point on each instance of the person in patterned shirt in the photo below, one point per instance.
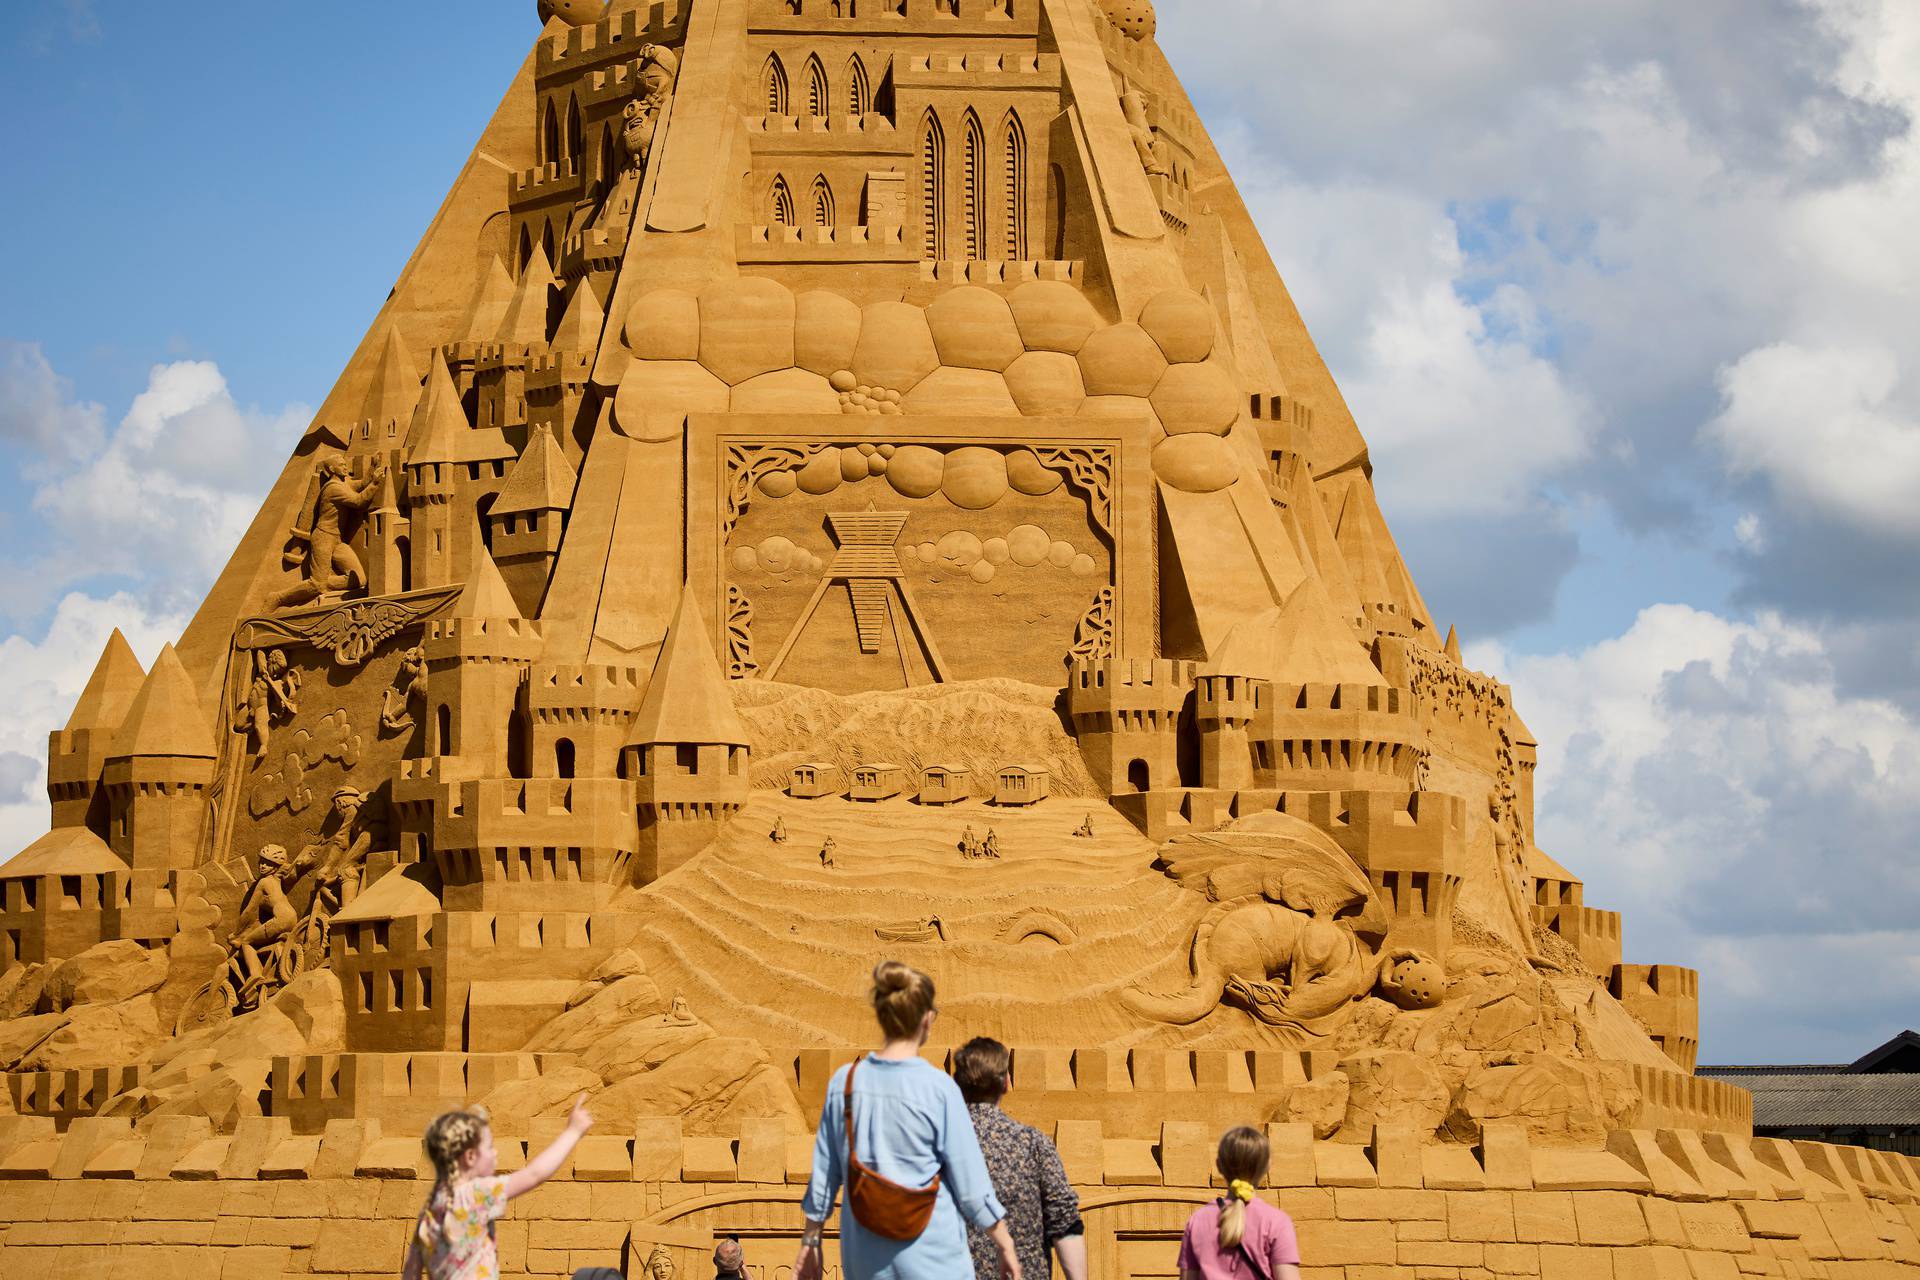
(453, 1236)
(1043, 1212)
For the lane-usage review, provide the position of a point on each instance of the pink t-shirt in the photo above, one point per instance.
(1269, 1237)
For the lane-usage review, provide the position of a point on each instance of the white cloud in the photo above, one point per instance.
(1710, 779)
(1822, 428)
(162, 500)
(37, 408)
(40, 680)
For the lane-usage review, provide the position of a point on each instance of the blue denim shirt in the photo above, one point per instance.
(912, 1124)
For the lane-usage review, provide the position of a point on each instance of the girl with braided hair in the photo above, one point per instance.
(1240, 1236)
(453, 1237)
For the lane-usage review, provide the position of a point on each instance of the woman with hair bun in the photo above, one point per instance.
(1240, 1236)
(895, 1132)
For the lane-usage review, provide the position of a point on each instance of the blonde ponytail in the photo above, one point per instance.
(1242, 1161)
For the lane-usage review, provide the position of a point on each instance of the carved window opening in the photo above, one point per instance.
(609, 158)
(403, 551)
(975, 186)
(366, 993)
(1014, 142)
(859, 89)
(546, 243)
(526, 248)
(442, 744)
(575, 143)
(774, 80)
(816, 86)
(563, 757)
(1138, 777)
(933, 190)
(519, 732)
(782, 203)
(1057, 212)
(686, 757)
(822, 202)
(550, 136)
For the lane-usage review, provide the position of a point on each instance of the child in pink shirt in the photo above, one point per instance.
(1239, 1236)
(453, 1237)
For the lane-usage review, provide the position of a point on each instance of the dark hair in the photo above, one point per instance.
(980, 1068)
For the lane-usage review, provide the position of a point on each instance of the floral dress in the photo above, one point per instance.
(1042, 1206)
(455, 1231)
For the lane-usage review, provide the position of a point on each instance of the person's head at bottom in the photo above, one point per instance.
(902, 1003)
(983, 1068)
(1242, 1161)
(729, 1259)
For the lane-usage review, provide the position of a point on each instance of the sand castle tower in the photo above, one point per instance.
(898, 390)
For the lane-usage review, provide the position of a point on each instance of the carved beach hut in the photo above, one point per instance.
(1021, 784)
(945, 783)
(814, 779)
(877, 782)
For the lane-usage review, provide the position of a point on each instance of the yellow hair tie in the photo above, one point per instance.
(1242, 1189)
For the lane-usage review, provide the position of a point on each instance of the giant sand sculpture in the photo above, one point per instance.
(843, 478)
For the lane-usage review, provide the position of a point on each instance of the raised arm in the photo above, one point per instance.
(1060, 1211)
(548, 1162)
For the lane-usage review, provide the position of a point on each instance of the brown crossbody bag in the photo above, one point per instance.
(882, 1206)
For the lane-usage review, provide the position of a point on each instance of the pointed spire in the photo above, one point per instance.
(687, 698)
(1453, 644)
(542, 480)
(485, 597)
(1302, 641)
(395, 388)
(525, 324)
(580, 327)
(1359, 537)
(166, 718)
(439, 420)
(111, 689)
(487, 309)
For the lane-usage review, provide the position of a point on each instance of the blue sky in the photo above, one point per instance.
(1621, 295)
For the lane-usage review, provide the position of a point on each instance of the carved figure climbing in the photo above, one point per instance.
(410, 687)
(270, 697)
(319, 549)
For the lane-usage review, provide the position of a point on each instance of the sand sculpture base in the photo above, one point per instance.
(263, 1203)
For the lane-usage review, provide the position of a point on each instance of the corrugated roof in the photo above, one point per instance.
(1785, 1099)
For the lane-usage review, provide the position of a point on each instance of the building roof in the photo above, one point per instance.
(485, 597)
(525, 324)
(166, 718)
(111, 689)
(542, 480)
(580, 327)
(1900, 1054)
(487, 309)
(400, 894)
(63, 851)
(438, 419)
(1301, 641)
(395, 386)
(687, 697)
(1833, 1098)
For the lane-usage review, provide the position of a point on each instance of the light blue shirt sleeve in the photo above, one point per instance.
(965, 1167)
(829, 1157)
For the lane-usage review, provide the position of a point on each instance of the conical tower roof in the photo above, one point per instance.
(111, 689)
(395, 388)
(1303, 641)
(487, 308)
(580, 327)
(439, 422)
(485, 597)
(525, 324)
(166, 718)
(542, 480)
(687, 698)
